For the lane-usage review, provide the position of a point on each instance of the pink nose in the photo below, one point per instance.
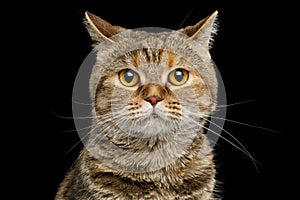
(153, 99)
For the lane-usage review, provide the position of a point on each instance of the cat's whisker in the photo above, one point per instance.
(242, 147)
(187, 125)
(86, 117)
(242, 123)
(234, 104)
(78, 129)
(235, 139)
(233, 121)
(65, 117)
(74, 163)
(132, 127)
(123, 120)
(103, 128)
(186, 18)
(227, 140)
(110, 120)
(82, 138)
(109, 115)
(219, 105)
(228, 133)
(116, 98)
(115, 118)
(175, 123)
(81, 103)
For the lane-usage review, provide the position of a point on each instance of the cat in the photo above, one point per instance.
(152, 94)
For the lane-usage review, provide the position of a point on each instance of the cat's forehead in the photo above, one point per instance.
(151, 53)
(151, 60)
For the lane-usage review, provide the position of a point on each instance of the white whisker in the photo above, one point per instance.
(78, 129)
(64, 117)
(234, 104)
(81, 103)
(235, 139)
(186, 18)
(242, 123)
(241, 147)
(227, 140)
(82, 138)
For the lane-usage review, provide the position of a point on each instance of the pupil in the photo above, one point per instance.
(128, 76)
(178, 75)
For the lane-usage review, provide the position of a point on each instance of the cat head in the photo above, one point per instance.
(150, 83)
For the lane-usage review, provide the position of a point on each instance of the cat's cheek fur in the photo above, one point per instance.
(201, 90)
(143, 111)
(160, 109)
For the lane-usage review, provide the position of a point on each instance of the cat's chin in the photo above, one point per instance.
(154, 125)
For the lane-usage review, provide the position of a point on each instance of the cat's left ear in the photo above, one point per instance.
(204, 30)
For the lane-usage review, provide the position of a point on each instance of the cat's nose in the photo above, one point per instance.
(153, 100)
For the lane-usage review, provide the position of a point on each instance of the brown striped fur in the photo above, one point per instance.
(164, 158)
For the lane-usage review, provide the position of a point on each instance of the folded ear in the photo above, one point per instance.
(204, 30)
(100, 29)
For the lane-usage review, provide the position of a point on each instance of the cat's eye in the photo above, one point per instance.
(129, 77)
(178, 77)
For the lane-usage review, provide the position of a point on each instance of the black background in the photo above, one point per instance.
(249, 50)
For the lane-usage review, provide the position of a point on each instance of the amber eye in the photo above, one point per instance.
(178, 77)
(129, 77)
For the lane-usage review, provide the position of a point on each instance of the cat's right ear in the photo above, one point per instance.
(204, 30)
(100, 29)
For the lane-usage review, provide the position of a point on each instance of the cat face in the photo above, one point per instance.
(152, 91)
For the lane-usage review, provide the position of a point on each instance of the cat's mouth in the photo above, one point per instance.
(154, 115)
(153, 119)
